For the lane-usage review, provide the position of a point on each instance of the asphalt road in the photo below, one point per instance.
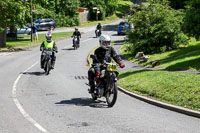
(31, 102)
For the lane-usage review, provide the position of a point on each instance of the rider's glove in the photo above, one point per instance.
(121, 64)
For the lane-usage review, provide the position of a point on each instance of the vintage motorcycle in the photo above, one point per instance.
(47, 53)
(75, 42)
(106, 86)
(97, 32)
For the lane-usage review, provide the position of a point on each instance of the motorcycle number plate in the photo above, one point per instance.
(112, 67)
(49, 52)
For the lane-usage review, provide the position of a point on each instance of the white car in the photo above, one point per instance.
(26, 31)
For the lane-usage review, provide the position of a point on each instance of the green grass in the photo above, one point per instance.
(25, 40)
(185, 58)
(182, 89)
(92, 23)
(124, 6)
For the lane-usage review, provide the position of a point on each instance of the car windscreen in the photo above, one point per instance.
(37, 21)
(123, 23)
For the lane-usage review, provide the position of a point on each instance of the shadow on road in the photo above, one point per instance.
(84, 102)
(68, 49)
(109, 28)
(34, 73)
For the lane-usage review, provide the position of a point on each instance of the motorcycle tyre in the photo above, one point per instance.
(111, 103)
(48, 67)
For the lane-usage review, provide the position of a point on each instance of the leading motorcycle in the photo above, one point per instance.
(47, 52)
(75, 42)
(97, 32)
(106, 85)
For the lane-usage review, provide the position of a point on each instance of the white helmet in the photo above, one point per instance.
(103, 39)
(48, 37)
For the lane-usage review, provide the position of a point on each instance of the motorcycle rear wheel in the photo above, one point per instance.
(111, 95)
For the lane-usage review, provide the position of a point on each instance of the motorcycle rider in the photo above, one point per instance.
(78, 34)
(98, 28)
(103, 53)
(48, 43)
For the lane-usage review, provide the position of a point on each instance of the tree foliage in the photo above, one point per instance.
(192, 19)
(178, 4)
(157, 28)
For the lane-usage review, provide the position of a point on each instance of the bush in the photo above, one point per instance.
(66, 21)
(157, 28)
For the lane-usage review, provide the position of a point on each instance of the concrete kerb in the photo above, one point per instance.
(158, 103)
(162, 104)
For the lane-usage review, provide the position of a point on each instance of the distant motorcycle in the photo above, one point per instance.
(75, 42)
(97, 32)
(47, 59)
(107, 84)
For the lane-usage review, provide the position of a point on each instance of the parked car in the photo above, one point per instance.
(44, 24)
(122, 28)
(25, 30)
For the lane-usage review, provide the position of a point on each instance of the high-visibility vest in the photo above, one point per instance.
(48, 45)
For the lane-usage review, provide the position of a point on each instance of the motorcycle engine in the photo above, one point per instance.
(100, 90)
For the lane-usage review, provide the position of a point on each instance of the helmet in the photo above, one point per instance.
(48, 37)
(76, 28)
(104, 41)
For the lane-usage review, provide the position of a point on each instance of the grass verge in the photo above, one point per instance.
(181, 89)
(24, 41)
(185, 58)
(124, 6)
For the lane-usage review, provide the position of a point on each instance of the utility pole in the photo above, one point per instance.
(31, 22)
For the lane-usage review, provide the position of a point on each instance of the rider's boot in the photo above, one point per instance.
(42, 64)
(92, 86)
(52, 64)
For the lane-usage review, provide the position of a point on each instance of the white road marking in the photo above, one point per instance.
(19, 106)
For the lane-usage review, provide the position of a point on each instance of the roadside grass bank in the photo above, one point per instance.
(24, 41)
(181, 89)
(177, 88)
(124, 6)
(184, 58)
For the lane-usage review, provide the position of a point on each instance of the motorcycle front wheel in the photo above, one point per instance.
(111, 95)
(48, 67)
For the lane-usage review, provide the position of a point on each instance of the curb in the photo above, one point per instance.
(162, 104)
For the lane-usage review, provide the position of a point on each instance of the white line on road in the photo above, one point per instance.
(19, 106)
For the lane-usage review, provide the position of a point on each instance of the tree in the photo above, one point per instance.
(157, 28)
(11, 12)
(178, 4)
(192, 19)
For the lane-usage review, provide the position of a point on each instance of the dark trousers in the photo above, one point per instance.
(91, 76)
